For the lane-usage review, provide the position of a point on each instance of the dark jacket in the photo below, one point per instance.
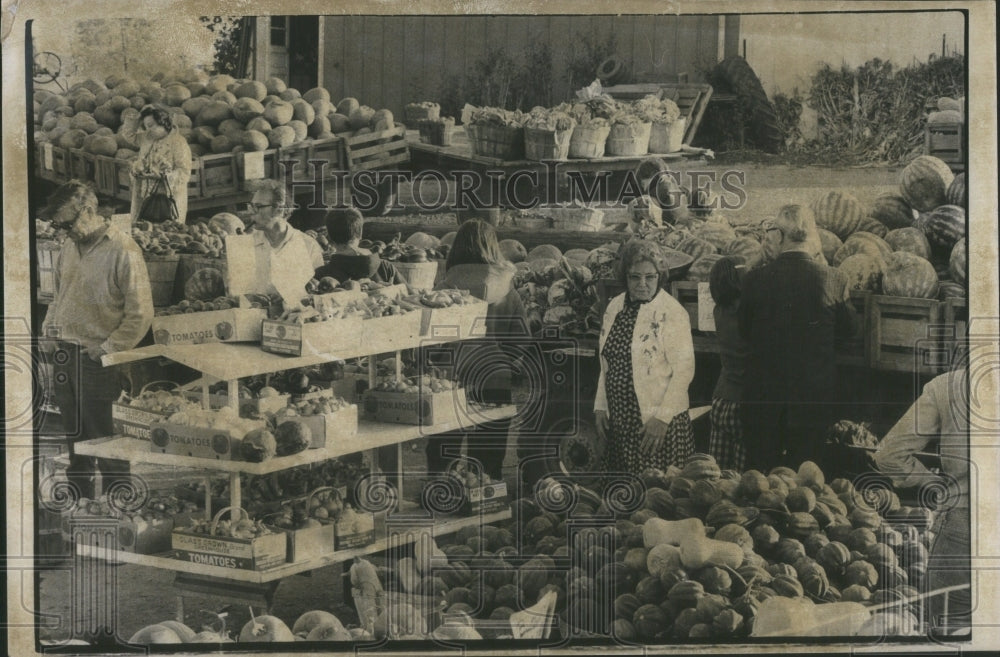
(355, 267)
(792, 312)
(485, 367)
(732, 353)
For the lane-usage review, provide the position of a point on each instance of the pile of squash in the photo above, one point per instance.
(215, 113)
(705, 548)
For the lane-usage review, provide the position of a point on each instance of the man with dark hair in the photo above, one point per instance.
(102, 304)
(349, 261)
(792, 311)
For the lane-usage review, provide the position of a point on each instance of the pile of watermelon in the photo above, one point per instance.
(215, 113)
(910, 244)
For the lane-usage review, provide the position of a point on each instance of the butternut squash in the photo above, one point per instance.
(698, 552)
(657, 531)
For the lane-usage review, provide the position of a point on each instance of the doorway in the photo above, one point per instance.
(303, 52)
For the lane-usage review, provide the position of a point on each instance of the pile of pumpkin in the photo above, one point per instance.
(698, 557)
(215, 114)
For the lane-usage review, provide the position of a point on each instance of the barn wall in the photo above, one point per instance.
(388, 61)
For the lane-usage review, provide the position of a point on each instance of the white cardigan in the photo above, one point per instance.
(662, 356)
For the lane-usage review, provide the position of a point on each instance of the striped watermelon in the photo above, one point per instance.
(696, 247)
(925, 183)
(893, 211)
(944, 226)
(872, 225)
(862, 242)
(746, 250)
(838, 212)
(958, 263)
(717, 233)
(830, 242)
(912, 240)
(958, 193)
(862, 271)
(950, 289)
(909, 275)
(702, 267)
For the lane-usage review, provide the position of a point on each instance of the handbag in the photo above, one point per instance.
(159, 206)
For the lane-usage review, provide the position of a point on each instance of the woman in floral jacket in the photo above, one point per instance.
(647, 363)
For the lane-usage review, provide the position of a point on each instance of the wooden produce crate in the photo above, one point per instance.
(686, 292)
(691, 99)
(414, 407)
(106, 175)
(259, 553)
(903, 334)
(376, 150)
(214, 175)
(946, 141)
(299, 155)
(82, 164)
(294, 339)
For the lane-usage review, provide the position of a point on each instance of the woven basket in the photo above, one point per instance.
(420, 275)
(542, 144)
(496, 141)
(436, 132)
(162, 272)
(588, 142)
(667, 137)
(628, 140)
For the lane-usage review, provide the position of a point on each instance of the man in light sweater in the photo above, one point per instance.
(102, 304)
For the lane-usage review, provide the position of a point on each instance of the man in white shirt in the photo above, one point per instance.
(285, 257)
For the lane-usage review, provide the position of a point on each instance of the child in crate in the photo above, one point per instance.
(725, 441)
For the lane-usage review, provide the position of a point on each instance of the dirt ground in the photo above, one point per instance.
(145, 595)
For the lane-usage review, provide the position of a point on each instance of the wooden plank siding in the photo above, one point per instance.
(388, 61)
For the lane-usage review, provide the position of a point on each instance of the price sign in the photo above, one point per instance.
(706, 309)
(253, 165)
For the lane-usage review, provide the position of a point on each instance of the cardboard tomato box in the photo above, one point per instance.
(259, 553)
(414, 407)
(330, 337)
(133, 421)
(309, 542)
(353, 540)
(455, 322)
(330, 426)
(232, 325)
(392, 332)
(202, 442)
(256, 406)
(489, 498)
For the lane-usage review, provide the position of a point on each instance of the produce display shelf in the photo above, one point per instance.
(390, 539)
(226, 361)
(370, 435)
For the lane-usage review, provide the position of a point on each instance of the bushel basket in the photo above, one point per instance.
(541, 144)
(501, 142)
(667, 137)
(588, 142)
(626, 140)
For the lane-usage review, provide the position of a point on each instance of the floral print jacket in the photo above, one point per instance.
(662, 356)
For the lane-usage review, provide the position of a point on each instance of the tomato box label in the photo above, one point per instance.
(487, 499)
(414, 407)
(260, 553)
(293, 339)
(233, 325)
(167, 438)
(133, 421)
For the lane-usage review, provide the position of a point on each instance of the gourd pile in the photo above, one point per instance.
(207, 238)
(215, 114)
